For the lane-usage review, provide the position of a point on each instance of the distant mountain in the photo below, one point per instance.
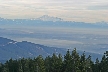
(13, 49)
(48, 21)
(49, 18)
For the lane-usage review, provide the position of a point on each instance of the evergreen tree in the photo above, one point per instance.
(20, 66)
(31, 65)
(96, 66)
(75, 61)
(40, 66)
(60, 63)
(103, 64)
(48, 64)
(10, 65)
(89, 64)
(56, 62)
(82, 66)
(67, 64)
(0, 67)
(24, 65)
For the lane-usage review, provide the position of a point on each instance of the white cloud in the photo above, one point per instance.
(78, 10)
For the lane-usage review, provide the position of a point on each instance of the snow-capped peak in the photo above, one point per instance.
(49, 18)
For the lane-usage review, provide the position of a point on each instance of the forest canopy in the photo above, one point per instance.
(70, 62)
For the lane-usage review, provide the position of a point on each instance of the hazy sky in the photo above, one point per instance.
(71, 10)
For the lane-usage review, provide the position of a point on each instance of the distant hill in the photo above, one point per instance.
(13, 49)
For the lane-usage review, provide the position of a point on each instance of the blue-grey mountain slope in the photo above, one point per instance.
(13, 49)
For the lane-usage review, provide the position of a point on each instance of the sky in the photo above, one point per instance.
(69, 10)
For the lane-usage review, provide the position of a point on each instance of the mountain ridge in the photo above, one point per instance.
(49, 18)
(48, 21)
(13, 49)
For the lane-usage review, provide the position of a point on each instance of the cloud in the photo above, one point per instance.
(98, 7)
(78, 10)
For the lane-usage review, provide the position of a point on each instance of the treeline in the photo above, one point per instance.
(70, 62)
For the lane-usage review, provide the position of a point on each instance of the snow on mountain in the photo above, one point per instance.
(49, 18)
(50, 21)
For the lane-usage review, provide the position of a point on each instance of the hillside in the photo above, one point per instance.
(13, 49)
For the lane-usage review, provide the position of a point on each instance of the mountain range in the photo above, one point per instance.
(50, 21)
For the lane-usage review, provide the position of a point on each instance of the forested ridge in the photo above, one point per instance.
(70, 62)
